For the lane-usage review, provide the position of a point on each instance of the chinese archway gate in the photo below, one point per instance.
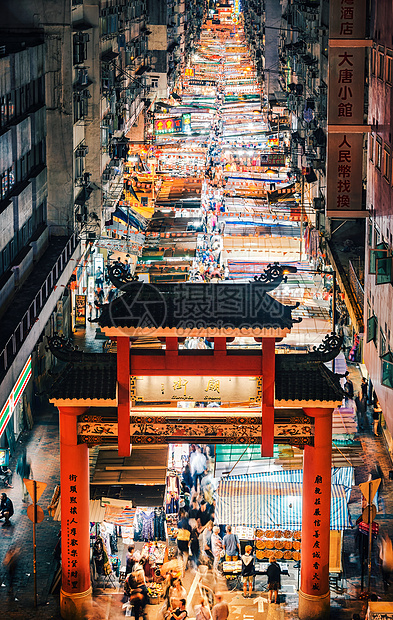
(104, 399)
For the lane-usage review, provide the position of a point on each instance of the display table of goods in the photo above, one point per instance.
(155, 550)
(155, 593)
(282, 544)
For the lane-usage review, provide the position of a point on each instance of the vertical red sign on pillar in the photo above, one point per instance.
(268, 377)
(123, 395)
(314, 598)
(75, 525)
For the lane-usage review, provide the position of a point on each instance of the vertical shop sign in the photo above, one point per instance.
(346, 86)
(72, 534)
(316, 553)
(344, 160)
(80, 309)
(347, 29)
(347, 19)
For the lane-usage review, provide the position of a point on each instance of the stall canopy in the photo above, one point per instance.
(254, 502)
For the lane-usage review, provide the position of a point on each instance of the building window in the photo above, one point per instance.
(382, 343)
(375, 253)
(372, 329)
(378, 153)
(389, 67)
(371, 148)
(387, 164)
(387, 370)
(383, 269)
(81, 104)
(79, 159)
(80, 42)
(373, 60)
(381, 57)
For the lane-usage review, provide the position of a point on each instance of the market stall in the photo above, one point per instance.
(269, 513)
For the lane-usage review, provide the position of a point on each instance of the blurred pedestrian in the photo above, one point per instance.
(130, 560)
(202, 611)
(23, 469)
(386, 559)
(220, 610)
(10, 564)
(216, 546)
(197, 466)
(183, 538)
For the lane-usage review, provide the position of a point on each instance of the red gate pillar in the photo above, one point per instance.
(123, 395)
(268, 377)
(75, 594)
(314, 593)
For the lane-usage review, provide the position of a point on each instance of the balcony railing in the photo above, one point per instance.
(20, 333)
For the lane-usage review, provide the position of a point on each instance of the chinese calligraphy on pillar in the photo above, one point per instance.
(72, 534)
(316, 553)
(345, 107)
(345, 153)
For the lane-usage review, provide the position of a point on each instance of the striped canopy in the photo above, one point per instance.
(120, 516)
(343, 476)
(252, 501)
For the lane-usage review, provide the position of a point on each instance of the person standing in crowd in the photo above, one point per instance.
(6, 509)
(99, 277)
(183, 538)
(376, 414)
(194, 545)
(197, 466)
(248, 570)
(273, 579)
(220, 610)
(348, 388)
(364, 389)
(216, 545)
(180, 613)
(206, 542)
(7, 475)
(231, 545)
(130, 561)
(23, 469)
(203, 516)
(177, 592)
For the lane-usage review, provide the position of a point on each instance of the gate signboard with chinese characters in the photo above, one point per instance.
(207, 425)
(201, 389)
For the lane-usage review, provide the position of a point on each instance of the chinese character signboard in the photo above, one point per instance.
(346, 86)
(344, 162)
(200, 389)
(345, 108)
(170, 125)
(80, 309)
(347, 19)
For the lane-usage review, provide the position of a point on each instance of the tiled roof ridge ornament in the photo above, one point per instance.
(120, 276)
(330, 346)
(274, 274)
(325, 352)
(65, 350)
